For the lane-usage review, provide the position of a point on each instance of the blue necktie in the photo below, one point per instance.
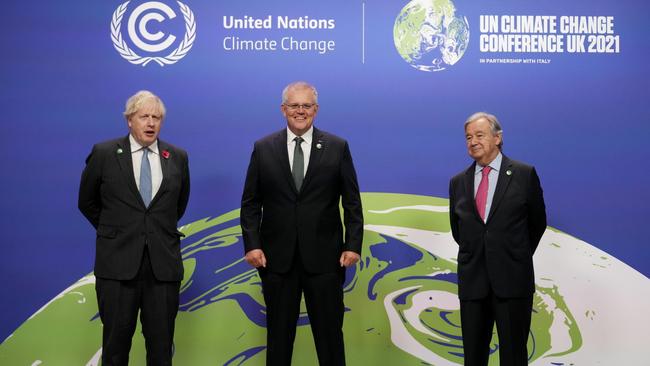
(145, 178)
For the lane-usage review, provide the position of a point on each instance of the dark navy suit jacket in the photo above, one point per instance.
(277, 218)
(110, 200)
(498, 254)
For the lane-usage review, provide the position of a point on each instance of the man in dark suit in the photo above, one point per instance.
(133, 191)
(497, 217)
(292, 229)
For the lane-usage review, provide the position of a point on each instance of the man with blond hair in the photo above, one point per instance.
(133, 190)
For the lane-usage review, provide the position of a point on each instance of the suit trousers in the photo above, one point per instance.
(324, 301)
(119, 303)
(512, 317)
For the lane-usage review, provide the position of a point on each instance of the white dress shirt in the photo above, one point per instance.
(154, 162)
(305, 146)
(492, 180)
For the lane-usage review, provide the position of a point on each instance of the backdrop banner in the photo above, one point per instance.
(569, 82)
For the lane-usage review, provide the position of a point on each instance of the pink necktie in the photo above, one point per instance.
(481, 193)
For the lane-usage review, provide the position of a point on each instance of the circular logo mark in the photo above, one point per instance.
(429, 36)
(153, 42)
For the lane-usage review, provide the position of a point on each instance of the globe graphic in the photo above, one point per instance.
(429, 36)
(401, 301)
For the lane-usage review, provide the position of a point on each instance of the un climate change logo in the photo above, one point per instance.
(153, 43)
(429, 36)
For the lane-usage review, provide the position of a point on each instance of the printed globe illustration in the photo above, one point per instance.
(401, 301)
(429, 36)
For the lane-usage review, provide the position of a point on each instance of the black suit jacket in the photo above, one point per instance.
(110, 200)
(498, 253)
(276, 217)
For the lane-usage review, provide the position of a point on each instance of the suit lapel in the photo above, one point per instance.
(280, 147)
(502, 184)
(125, 161)
(469, 188)
(318, 147)
(164, 166)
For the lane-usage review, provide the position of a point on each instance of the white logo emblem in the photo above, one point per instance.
(137, 28)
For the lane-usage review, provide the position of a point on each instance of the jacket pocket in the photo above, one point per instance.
(174, 232)
(108, 232)
(464, 257)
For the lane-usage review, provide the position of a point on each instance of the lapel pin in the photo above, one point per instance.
(318, 146)
(508, 172)
(119, 151)
(165, 154)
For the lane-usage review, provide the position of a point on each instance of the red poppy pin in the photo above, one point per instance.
(165, 154)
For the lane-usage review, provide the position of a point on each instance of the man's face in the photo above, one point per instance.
(482, 144)
(145, 123)
(300, 110)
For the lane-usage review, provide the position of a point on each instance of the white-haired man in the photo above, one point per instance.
(292, 227)
(497, 217)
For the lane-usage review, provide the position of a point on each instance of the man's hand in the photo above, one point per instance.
(256, 258)
(349, 258)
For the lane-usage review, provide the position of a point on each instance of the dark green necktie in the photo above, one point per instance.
(298, 171)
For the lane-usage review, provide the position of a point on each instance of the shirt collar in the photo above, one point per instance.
(495, 164)
(135, 146)
(307, 136)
